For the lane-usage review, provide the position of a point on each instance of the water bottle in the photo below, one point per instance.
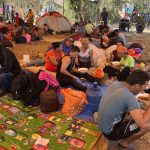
(94, 95)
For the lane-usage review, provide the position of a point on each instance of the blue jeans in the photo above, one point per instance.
(5, 81)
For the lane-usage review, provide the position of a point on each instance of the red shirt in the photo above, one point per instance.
(49, 64)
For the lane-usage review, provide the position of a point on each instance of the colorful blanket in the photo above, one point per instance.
(26, 128)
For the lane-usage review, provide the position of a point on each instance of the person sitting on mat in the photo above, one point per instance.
(68, 75)
(66, 45)
(9, 68)
(86, 55)
(24, 38)
(126, 65)
(120, 117)
(53, 56)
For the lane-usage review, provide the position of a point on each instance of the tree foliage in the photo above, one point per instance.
(90, 10)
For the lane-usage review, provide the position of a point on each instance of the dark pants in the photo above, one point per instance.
(87, 77)
(5, 81)
(84, 64)
(68, 81)
(122, 130)
(121, 75)
(20, 39)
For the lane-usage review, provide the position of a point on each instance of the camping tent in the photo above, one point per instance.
(55, 21)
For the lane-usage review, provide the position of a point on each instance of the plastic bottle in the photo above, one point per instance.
(94, 95)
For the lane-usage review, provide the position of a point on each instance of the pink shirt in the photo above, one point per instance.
(28, 37)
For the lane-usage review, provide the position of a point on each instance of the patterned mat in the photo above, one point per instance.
(26, 128)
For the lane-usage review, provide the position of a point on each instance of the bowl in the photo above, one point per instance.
(143, 97)
(83, 70)
(115, 63)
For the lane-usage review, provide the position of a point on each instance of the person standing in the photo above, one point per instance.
(30, 17)
(12, 15)
(17, 18)
(104, 16)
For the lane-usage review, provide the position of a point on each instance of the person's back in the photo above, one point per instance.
(114, 104)
(9, 69)
(8, 61)
(122, 36)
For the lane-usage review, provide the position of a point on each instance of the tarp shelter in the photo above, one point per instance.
(55, 21)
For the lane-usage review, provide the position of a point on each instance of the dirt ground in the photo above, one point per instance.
(40, 48)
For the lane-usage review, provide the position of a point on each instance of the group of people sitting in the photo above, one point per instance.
(22, 33)
(120, 116)
(112, 47)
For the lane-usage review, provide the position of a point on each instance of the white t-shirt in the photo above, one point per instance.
(85, 56)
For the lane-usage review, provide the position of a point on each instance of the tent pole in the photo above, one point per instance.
(63, 8)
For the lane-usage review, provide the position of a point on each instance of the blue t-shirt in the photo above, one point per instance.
(66, 49)
(116, 101)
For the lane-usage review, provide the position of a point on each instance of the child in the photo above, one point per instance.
(46, 29)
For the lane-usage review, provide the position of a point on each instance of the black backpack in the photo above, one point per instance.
(31, 94)
(19, 84)
(27, 87)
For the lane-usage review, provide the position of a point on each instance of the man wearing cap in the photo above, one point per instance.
(122, 70)
(126, 60)
(66, 45)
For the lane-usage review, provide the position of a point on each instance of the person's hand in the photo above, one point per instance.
(78, 80)
(110, 64)
(82, 72)
(75, 78)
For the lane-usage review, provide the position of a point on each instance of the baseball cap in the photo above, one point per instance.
(122, 49)
(70, 39)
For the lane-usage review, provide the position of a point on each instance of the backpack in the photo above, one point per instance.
(49, 101)
(33, 90)
(27, 87)
(18, 85)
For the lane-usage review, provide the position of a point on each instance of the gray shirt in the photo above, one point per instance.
(116, 101)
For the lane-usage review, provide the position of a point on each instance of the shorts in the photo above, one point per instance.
(123, 130)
